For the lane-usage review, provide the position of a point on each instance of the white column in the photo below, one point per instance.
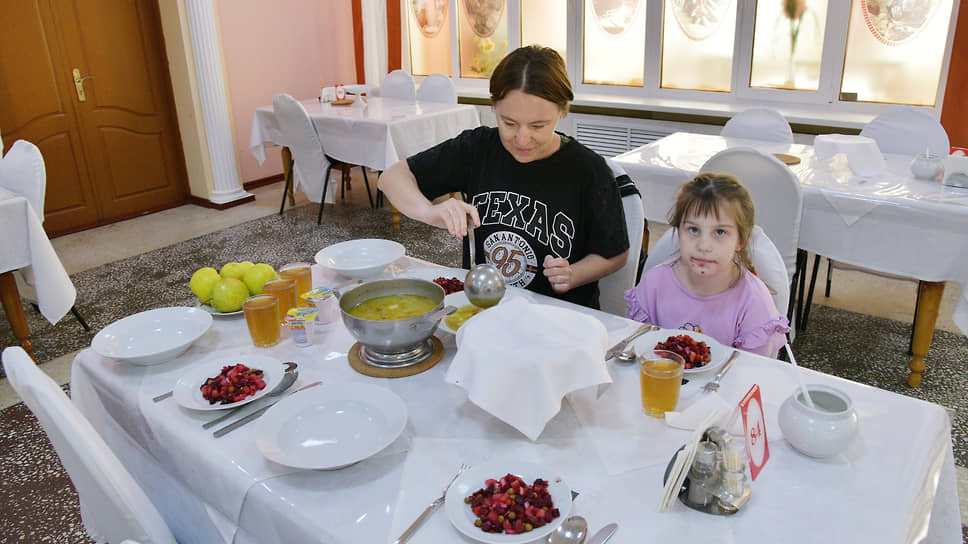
(215, 109)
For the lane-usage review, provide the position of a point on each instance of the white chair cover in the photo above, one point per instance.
(437, 88)
(612, 288)
(908, 130)
(113, 505)
(303, 141)
(399, 84)
(24, 174)
(759, 124)
(765, 256)
(776, 194)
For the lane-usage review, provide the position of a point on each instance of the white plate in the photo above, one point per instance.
(188, 394)
(331, 426)
(209, 309)
(458, 299)
(365, 258)
(717, 352)
(463, 519)
(152, 337)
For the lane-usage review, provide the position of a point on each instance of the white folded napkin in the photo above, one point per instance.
(863, 155)
(518, 359)
(696, 412)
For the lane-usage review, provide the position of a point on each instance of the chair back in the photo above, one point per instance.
(908, 130)
(300, 136)
(776, 194)
(612, 287)
(24, 173)
(764, 255)
(399, 84)
(759, 124)
(437, 88)
(114, 507)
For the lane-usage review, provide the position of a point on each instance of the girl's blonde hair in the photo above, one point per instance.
(706, 194)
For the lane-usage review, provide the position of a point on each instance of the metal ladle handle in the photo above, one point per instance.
(470, 241)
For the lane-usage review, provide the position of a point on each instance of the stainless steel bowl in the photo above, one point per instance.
(398, 335)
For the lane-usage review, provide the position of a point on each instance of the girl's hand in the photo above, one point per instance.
(452, 214)
(559, 273)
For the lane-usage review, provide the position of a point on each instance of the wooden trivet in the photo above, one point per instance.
(787, 159)
(367, 369)
(343, 102)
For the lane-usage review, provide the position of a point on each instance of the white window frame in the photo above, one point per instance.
(821, 107)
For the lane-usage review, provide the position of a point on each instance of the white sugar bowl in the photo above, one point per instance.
(927, 166)
(822, 431)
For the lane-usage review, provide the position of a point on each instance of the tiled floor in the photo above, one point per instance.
(88, 249)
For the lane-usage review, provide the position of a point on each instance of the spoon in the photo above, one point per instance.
(484, 284)
(571, 531)
(627, 355)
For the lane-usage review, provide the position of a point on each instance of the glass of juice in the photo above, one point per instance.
(660, 377)
(284, 290)
(262, 317)
(302, 274)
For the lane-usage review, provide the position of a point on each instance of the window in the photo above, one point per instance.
(827, 58)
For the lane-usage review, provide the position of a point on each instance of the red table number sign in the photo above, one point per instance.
(340, 92)
(754, 427)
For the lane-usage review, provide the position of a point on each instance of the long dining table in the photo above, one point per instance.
(895, 483)
(890, 222)
(374, 132)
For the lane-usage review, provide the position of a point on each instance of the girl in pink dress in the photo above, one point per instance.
(711, 286)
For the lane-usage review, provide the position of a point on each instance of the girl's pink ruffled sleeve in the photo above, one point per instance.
(765, 339)
(634, 308)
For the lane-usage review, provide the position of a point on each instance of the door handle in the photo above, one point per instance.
(79, 84)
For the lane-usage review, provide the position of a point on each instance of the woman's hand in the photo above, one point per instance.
(559, 273)
(452, 214)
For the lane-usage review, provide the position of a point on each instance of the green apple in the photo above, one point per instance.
(245, 265)
(202, 282)
(228, 294)
(258, 275)
(232, 270)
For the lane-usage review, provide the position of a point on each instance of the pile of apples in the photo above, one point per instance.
(225, 290)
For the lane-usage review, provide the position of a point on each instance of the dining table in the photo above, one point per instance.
(895, 482)
(26, 244)
(889, 221)
(373, 131)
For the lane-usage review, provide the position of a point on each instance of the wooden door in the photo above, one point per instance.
(116, 152)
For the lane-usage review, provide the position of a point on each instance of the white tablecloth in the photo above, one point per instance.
(377, 135)
(895, 480)
(25, 243)
(890, 222)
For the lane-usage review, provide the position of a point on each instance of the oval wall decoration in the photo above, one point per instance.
(483, 15)
(431, 15)
(698, 19)
(615, 16)
(894, 22)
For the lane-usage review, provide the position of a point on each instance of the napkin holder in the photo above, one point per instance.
(956, 171)
(720, 502)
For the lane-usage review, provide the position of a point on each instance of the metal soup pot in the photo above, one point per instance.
(397, 335)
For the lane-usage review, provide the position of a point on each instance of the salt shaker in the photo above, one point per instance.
(927, 166)
(704, 474)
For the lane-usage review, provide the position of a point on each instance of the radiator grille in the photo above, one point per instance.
(612, 140)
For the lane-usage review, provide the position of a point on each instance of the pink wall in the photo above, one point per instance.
(281, 46)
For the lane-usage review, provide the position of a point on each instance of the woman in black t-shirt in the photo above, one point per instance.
(546, 209)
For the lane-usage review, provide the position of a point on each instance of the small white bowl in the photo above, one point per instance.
(366, 258)
(152, 337)
(823, 431)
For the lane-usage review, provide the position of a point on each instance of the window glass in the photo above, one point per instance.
(788, 44)
(697, 44)
(429, 29)
(483, 34)
(545, 22)
(614, 42)
(894, 51)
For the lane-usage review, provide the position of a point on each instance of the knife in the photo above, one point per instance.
(612, 351)
(603, 534)
(242, 421)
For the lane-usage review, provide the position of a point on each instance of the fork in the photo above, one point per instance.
(713, 386)
(437, 502)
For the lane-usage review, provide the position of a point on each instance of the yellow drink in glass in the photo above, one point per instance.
(660, 378)
(302, 274)
(285, 291)
(262, 317)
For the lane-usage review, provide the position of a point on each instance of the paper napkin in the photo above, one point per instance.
(518, 359)
(863, 155)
